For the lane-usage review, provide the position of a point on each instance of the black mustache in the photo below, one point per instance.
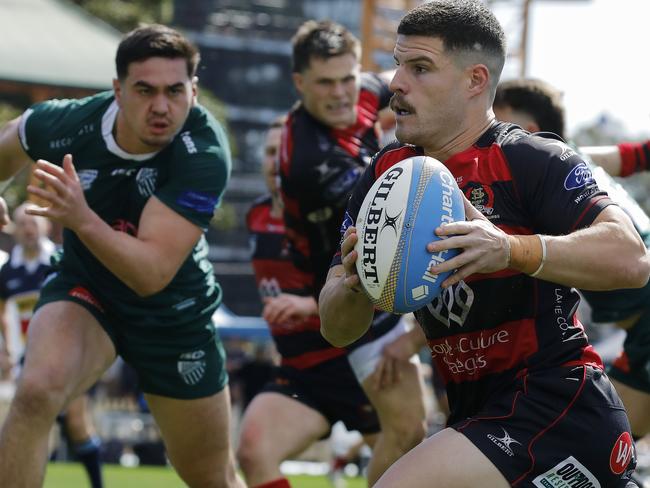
(398, 103)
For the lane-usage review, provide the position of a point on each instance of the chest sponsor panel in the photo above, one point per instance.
(470, 356)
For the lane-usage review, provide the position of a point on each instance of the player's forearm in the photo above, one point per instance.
(12, 155)
(607, 157)
(136, 263)
(606, 256)
(345, 315)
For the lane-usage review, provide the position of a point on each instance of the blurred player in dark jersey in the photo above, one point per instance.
(133, 177)
(314, 385)
(21, 279)
(530, 404)
(537, 106)
(328, 140)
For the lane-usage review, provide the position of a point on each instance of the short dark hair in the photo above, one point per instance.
(155, 40)
(466, 27)
(538, 99)
(322, 40)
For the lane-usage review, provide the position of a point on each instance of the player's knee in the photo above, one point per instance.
(249, 455)
(405, 431)
(39, 397)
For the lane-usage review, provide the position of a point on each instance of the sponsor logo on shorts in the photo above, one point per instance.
(621, 453)
(83, 294)
(191, 366)
(569, 473)
(504, 442)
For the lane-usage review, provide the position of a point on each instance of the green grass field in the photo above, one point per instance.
(72, 475)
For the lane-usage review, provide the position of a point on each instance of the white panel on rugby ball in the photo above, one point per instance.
(395, 223)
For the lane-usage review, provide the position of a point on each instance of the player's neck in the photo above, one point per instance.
(460, 141)
(276, 207)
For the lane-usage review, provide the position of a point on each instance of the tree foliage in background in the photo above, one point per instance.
(125, 15)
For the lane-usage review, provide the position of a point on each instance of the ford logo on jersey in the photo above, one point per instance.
(578, 177)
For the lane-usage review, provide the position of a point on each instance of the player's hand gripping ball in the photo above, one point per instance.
(395, 223)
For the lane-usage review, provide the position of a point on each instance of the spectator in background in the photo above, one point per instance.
(21, 279)
(329, 139)
(537, 106)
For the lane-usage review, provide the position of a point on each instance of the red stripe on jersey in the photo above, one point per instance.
(515, 230)
(286, 145)
(466, 168)
(589, 357)
(469, 357)
(622, 362)
(310, 359)
(392, 157)
(287, 276)
(309, 324)
(504, 273)
(592, 202)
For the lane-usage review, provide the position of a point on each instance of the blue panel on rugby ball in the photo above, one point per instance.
(395, 223)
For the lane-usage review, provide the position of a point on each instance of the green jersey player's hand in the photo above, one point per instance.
(62, 190)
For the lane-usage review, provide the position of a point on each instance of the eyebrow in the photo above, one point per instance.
(144, 84)
(417, 59)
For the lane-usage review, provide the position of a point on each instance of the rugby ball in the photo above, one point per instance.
(396, 221)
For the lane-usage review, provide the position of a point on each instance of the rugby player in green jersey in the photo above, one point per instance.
(133, 176)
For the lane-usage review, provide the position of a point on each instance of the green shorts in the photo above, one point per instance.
(185, 361)
(632, 367)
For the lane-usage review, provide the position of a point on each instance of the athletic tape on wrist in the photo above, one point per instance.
(541, 263)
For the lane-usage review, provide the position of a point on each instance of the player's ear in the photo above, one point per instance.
(478, 79)
(298, 81)
(117, 89)
(195, 89)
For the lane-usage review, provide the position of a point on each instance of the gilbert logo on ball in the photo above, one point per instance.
(395, 223)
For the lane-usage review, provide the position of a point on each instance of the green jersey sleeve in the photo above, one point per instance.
(200, 169)
(48, 129)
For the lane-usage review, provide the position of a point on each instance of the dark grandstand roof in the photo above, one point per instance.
(54, 42)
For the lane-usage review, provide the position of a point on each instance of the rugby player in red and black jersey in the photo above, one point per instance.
(530, 403)
(328, 140)
(314, 386)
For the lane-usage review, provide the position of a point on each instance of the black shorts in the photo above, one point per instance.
(331, 389)
(559, 428)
